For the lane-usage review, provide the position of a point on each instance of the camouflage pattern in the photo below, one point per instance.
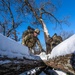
(29, 31)
(52, 42)
(30, 41)
(37, 31)
(25, 33)
(56, 40)
(49, 40)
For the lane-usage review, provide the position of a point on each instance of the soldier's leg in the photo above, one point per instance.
(23, 42)
(31, 51)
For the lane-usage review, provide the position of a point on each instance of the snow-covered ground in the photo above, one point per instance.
(52, 72)
(12, 49)
(66, 47)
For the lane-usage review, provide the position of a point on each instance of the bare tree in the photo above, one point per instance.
(64, 36)
(9, 20)
(1, 29)
(13, 13)
(41, 12)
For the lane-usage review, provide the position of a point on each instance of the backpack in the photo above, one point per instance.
(29, 30)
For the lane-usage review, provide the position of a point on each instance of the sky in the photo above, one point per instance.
(67, 8)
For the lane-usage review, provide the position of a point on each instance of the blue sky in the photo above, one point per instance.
(67, 8)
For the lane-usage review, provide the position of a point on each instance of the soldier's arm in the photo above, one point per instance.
(24, 39)
(39, 44)
(27, 37)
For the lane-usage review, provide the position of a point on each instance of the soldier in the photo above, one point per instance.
(49, 40)
(56, 40)
(31, 39)
(29, 30)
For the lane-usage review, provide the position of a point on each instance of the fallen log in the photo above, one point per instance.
(65, 63)
(63, 56)
(17, 66)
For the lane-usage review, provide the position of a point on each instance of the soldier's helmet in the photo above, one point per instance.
(37, 31)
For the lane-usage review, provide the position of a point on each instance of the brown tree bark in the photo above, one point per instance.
(17, 66)
(64, 63)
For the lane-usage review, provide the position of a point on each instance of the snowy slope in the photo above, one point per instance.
(12, 49)
(66, 47)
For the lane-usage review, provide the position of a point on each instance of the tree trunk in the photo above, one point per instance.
(46, 34)
(64, 63)
(17, 66)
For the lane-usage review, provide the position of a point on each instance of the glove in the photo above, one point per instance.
(42, 50)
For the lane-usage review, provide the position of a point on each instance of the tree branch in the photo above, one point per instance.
(45, 12)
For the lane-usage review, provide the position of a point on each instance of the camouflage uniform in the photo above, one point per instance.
(56, 40)
(25, 33)
(49, 40)
(30, 41)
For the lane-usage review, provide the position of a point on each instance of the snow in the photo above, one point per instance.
(52, 72)
(3, 62)
(12, 49)
(66, 47)
(45, 28)
(60, 72)
(43, 56)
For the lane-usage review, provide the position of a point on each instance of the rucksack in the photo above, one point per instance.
(29, 30)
